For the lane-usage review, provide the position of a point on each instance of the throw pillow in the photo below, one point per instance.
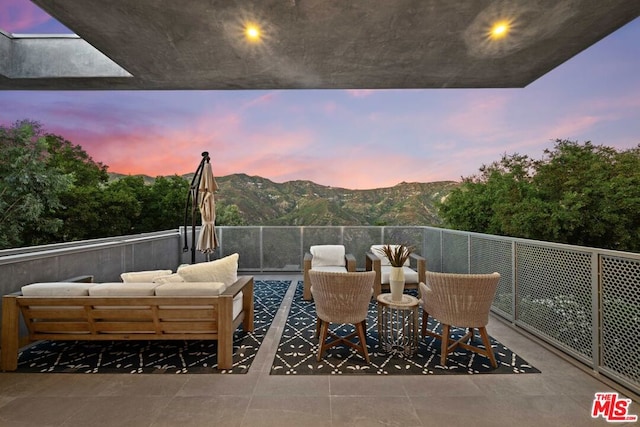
(223, 270)
(143, 276)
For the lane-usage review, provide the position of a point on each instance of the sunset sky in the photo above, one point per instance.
(352, 139)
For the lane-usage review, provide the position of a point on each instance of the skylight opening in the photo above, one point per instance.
(25, 18)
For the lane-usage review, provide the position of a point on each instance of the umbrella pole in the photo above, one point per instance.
(193, 197)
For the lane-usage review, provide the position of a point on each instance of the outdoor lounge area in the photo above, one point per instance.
(561, 393)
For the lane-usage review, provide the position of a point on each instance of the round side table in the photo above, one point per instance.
(398, 324)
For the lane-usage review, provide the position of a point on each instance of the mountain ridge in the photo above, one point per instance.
(303, 202)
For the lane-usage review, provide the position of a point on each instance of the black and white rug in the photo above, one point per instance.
(298, 349)
(158, 357)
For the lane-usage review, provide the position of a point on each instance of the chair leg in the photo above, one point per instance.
(487, 346)
(317, 328)
(445, 345)
(425, 321)
(324, 329)
(361, 327)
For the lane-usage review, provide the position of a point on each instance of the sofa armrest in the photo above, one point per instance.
(244, 284)
(372, 263)
(239, 285)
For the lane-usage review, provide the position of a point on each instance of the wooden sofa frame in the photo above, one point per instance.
(127, 318)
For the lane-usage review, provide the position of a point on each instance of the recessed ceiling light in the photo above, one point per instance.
(252, 33)
(499, 29)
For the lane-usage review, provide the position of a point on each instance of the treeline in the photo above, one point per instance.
(51, 191)
(581, 194)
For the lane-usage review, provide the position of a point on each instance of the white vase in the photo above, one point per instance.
(396, 283)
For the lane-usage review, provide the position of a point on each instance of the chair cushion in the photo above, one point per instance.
(327, 255)
(143, 276)
(190, 289)
(52, 289)
(377, 251)
(135, 289)
(410, 276)
(331, 268)
(223, 270)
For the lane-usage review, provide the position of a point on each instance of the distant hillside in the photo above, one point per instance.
(264, 202)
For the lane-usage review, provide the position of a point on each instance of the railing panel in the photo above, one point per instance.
(281, 248)
(487, 255)
(246, 241)
(455, 252)
(433, 248)
(312, 235)
(554, 296)
(620, 302)
(407, 235)
(358, 240)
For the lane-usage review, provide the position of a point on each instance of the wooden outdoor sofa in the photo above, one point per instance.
(158, 317)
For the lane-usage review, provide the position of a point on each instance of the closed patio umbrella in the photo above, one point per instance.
(207, 240)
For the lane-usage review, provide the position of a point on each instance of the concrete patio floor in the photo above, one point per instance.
(561, 395)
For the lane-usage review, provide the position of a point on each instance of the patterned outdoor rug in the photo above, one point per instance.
(298, 350)
(158, 357)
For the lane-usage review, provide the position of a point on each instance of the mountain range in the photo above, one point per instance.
(264, 202)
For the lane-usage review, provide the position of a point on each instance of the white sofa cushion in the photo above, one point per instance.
(63, 289)
(223, 270)
(327, 255)
(171, 278)
(123, 289)
(410, 276)
(377, 251)
(190, 289)
(143, 276)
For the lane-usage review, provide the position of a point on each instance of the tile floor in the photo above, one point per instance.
(561, 395)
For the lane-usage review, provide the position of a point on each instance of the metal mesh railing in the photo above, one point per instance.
(620, 308)
(554, 295)
(488, 255)
(455, 252)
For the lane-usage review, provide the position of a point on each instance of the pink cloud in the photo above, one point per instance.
(481, 115)
(19, 15)
(360, 93)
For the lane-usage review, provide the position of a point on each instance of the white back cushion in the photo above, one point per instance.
(223, 270)
(327, 256)
(171, 278)
(143, 276)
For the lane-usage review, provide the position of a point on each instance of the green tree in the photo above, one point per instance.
(579, 194)
(80, 210)
(122, 207)
(30, 188)
(165, 207)
(229, 215)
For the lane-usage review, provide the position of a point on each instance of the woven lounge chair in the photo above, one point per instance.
(325, 258)
(461, 300)
(342, 298)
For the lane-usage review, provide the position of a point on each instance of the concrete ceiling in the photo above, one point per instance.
(320, 44)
